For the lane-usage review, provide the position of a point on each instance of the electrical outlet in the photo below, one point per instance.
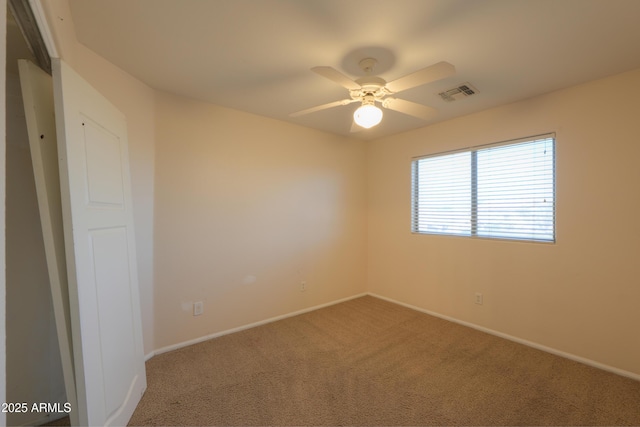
(198, 308)
(478, 298)
(303, 286)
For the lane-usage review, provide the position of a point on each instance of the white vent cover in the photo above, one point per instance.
(459, 92)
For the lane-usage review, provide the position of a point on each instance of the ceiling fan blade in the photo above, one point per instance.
(322, 107)
(426, 75)
(410, 108)
(336, 76)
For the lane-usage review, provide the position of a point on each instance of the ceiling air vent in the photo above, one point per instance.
(458, 92)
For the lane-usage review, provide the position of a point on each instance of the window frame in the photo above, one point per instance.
(473, 216)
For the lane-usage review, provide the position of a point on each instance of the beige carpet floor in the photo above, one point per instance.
(371, 362)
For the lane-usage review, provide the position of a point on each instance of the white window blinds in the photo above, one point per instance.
(502, 191)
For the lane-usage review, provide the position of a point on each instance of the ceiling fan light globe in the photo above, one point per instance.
(367, 116)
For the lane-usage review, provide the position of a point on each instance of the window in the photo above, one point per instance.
(504, 191)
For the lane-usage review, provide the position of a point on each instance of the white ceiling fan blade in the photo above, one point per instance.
(426, 75)
(322, 107)
(410, 108)
(336, 76)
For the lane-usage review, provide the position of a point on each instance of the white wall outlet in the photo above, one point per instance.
(303, 286)
(478, 298)
(198, 308)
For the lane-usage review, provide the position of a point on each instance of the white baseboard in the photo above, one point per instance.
(537, 346)
(248, 326)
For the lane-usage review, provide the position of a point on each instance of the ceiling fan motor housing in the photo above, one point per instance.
(369, 99)
(370, 86)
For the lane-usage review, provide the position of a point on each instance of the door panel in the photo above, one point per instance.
(111, 268)
(37, 94)
(104, 170)
(100, 251)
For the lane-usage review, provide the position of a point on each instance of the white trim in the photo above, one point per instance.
(537, 346)
(43, 26)
(248, 326)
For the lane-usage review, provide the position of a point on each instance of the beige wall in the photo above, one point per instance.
(136, 101)
(247, 208)
(580, 295)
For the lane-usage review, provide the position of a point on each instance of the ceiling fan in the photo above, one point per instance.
(370, 89)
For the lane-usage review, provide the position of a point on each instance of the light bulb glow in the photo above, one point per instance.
(367, 116)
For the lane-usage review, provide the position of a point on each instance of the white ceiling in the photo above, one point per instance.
(256, 55)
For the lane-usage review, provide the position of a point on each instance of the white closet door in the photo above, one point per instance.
(37, 94)
(100, 251)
